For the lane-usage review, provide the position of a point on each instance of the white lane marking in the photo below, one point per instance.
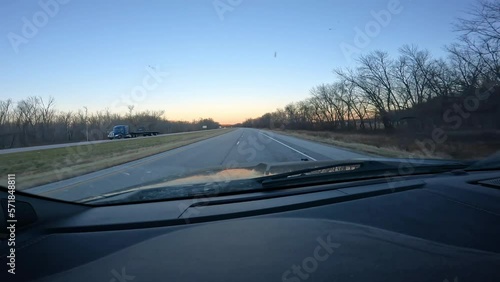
(237, 143)
(309, 157)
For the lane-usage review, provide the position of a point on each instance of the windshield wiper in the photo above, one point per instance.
(358, 170)
(281, 176)
(490, 163)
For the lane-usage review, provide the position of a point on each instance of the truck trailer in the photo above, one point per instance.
(123, 131)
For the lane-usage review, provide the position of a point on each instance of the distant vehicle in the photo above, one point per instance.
(111, 135)
(123, 131)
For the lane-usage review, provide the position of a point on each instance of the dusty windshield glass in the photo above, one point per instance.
(99, 97)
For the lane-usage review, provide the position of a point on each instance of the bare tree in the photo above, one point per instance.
(469, 66)
(324, 104)
(6, 118)
(27, 117)
(412, 71)
(47, 113)
(376, 68)
(371, 90)
(279, 119)
(357, 106)
(483, 20)
(5, 111)
(443, 79)
(67, 118)
(336, 95)
(480, 39)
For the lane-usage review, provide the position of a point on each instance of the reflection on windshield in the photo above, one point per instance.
(220, 176)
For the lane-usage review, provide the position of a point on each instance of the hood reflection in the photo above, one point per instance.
(220, 176)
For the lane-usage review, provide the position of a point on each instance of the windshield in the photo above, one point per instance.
(100, 98)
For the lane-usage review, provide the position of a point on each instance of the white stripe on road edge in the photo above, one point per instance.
(309, 157)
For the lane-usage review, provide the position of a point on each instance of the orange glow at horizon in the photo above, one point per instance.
(224, 112)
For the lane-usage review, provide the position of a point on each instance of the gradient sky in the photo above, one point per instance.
(96, 53)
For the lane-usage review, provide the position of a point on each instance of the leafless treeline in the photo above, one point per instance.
(35, 121)
(384, 90)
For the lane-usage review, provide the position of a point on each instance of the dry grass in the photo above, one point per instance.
(34, 168)
(404, 145)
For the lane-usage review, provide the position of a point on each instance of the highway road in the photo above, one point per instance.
(239, 147)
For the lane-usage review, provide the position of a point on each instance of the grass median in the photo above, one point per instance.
(38, 167)
(378, 147)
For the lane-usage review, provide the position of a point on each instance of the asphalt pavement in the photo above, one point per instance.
(239, 147)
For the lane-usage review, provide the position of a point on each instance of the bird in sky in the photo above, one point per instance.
(275, 54)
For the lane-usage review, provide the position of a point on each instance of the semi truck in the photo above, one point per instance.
(123, 131)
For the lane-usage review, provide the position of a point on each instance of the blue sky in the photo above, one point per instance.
(97, 53)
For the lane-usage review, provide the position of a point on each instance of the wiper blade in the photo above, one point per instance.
(357, 170)
(279, 176)
(490, 163)
(177, 192)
